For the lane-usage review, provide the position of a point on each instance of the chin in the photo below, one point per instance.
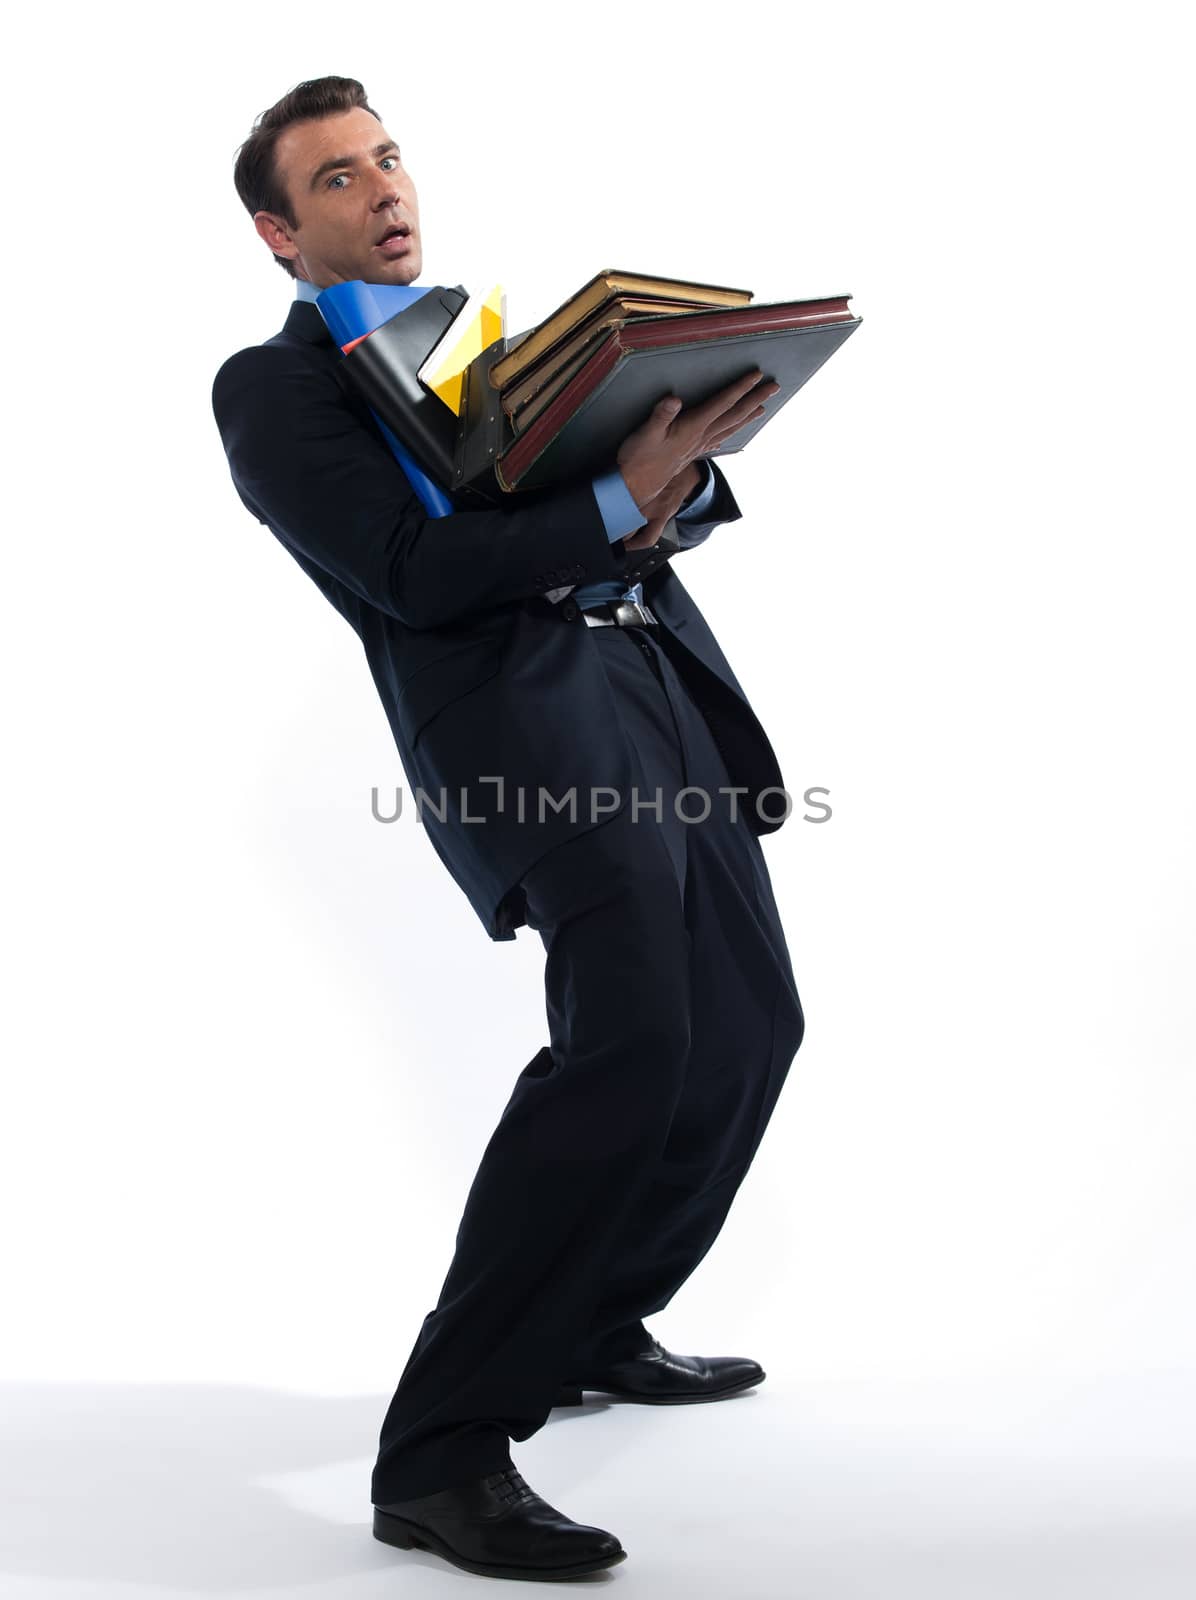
(401, 271)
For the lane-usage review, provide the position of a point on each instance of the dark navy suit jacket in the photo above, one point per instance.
(476, 683)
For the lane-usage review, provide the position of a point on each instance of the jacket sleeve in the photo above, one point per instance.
(722, 508)
(330, 489)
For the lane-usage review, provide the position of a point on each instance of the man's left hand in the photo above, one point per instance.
(663, 506)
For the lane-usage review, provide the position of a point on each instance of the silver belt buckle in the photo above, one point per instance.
(629, 613)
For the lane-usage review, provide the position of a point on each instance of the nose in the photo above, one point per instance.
(387, 189)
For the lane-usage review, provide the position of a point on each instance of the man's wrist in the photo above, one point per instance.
(620, 511)
(703, 495)
(699, 480)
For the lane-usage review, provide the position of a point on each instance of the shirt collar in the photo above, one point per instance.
(305, 290)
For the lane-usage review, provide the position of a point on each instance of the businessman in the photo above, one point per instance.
(515, 657)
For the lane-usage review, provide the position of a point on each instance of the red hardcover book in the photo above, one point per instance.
(691, 354)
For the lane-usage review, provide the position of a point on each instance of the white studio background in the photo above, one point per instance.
(257, 1040)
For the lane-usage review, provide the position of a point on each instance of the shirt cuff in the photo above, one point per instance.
(704, 496)
(617, 505)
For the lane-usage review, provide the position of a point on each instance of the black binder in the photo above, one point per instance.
(382, 368)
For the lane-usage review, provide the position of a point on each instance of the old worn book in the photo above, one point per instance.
(522, 397)
(634, 365)
(591, 297)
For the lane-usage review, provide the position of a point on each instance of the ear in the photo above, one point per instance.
(276, 234)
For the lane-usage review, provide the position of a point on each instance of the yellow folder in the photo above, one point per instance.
(480, 321)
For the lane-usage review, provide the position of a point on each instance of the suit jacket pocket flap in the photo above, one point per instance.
(437, 683)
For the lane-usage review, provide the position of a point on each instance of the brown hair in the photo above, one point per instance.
(256, 174)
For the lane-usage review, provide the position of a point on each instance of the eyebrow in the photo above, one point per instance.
(326, 167)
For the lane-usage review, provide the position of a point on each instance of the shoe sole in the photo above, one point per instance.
(576, 1397)
(411, 1536)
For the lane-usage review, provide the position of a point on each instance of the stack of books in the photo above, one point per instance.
(559, 401)
(555, 403)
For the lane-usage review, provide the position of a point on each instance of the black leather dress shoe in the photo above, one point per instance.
(499, 1527)
(656, 1377)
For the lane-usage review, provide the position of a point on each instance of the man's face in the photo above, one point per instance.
(347, 187)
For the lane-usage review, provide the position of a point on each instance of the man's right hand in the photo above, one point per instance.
(672, 437)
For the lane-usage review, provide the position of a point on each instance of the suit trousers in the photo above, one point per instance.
(673, 1017)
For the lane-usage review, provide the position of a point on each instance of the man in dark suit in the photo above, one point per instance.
(560, 719)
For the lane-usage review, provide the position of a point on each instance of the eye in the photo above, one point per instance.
(337, 175)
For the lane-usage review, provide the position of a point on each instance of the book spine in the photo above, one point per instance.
(518, 457)
(647, 335)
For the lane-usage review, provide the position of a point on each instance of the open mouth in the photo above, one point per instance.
(394, 235)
